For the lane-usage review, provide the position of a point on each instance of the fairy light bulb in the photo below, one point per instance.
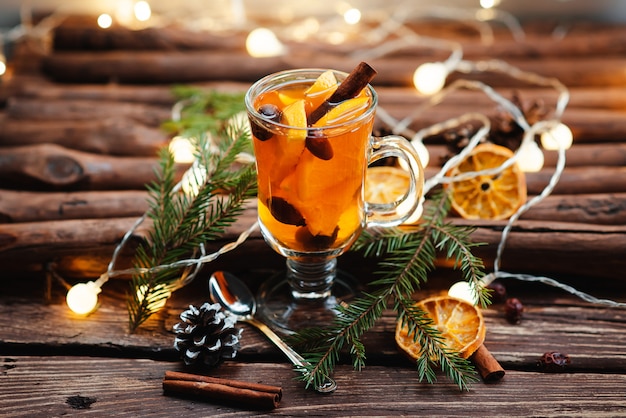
(158, 291)
(142, 11)
(105, 21)
(429, 78)
(560, 136)
(262, 42)
(182, 149)
(530, 157)
(193, 179)
(463, 291)
(82, 298)
(352, 16)
(489, 4)
(3, 65)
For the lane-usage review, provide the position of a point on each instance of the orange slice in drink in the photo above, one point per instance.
(323, 87)
(460, 323)
(344, 111)
(295, 115)
(495, 196)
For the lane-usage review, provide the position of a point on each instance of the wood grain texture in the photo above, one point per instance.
(104, 119)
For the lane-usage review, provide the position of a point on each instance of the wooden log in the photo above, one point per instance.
(574, 180)
(580, 155)
(21, 206)
(57, 237)
(51, 167)
(580, 180)
(599, 209)
(185, 67)
(82, 33)
(86, 35)
(561, 248)
(107, 135)
(587, 125)
(84, 110)
(601, 97)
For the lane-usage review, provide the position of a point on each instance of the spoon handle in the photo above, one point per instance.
(329, 384)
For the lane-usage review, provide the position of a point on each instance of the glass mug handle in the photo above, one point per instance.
(394, 213)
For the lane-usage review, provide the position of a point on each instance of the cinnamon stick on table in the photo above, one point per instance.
(252, 395)
(487, 365)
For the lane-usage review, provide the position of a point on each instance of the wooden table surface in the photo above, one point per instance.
(72, 104)
(50, 356)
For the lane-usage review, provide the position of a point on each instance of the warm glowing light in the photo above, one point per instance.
(422, 152)
(559, 136)
(124, 12)
(82, 298)
(307, 28)
(530, 157)
(430, 78)
(352, 16)
(463, 291)
(182, 149)
(158, 292)
(488, 4)
(336, 38)
(417, 213)
(142, 11)
(105, 21)
(3, 67)
(193, 179)
(262, 42)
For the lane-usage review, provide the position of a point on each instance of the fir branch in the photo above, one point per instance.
(406, 259)
(182, 223)
(204, 110)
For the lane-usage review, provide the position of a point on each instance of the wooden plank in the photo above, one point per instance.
(132, 387)
(552, 320)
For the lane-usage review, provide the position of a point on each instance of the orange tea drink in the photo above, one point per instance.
(312, 140)
(310, 173)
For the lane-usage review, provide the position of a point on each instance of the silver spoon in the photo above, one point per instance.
(233, 294)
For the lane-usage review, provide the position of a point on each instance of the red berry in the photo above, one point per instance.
(554, 362)
(513, 310)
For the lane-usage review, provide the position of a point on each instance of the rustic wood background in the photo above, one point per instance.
(79, 131)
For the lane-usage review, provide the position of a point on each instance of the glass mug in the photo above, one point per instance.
(311, 205)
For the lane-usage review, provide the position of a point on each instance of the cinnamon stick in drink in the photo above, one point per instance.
(349, 88)
(251, 395)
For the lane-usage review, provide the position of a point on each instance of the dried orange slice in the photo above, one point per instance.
(385, 184)
(496, 196)
(461, 325)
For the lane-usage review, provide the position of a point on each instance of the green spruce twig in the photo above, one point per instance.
(406, 259)
(182, 223)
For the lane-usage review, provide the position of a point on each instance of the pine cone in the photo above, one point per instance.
(505, 130)
(206, 334)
